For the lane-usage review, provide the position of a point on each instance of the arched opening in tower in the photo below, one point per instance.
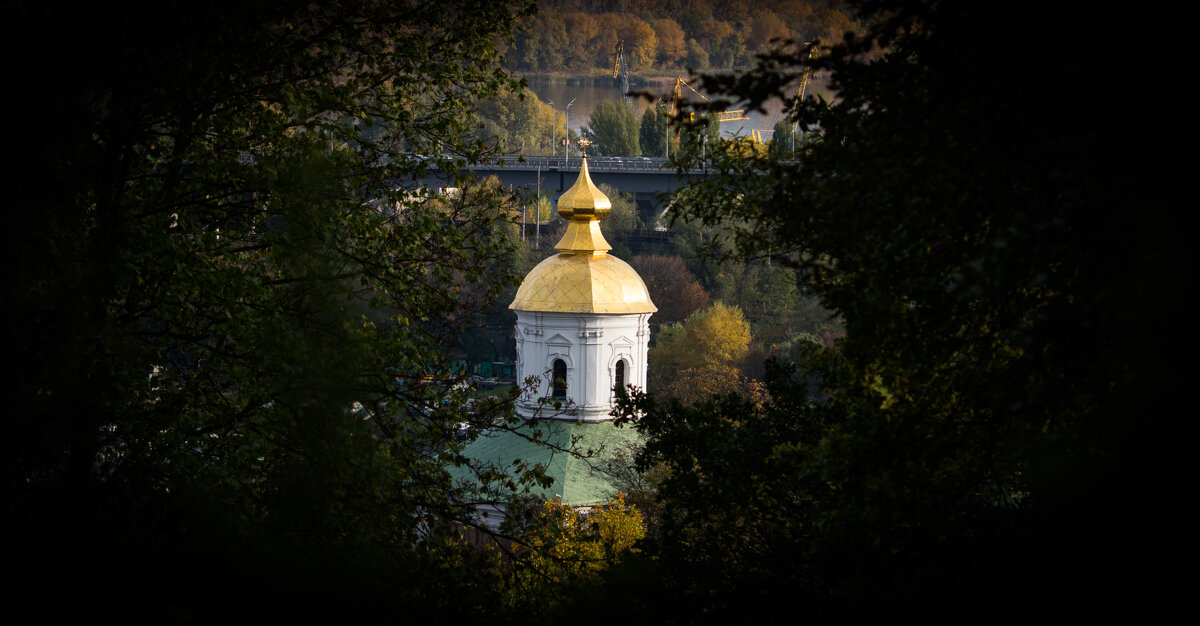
(560, 379)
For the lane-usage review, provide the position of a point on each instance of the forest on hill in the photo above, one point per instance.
(669, 37)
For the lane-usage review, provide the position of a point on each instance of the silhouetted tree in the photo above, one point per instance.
(981, 438)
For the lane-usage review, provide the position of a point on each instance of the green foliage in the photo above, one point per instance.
(613, 130)
(728, 52)
(697, 56)
(520, 123)
(699, 135)
(768, 291)
(487, 334)
(624, 215)
(652, 131)
(542, 45)
(731, 516)
(786, 140)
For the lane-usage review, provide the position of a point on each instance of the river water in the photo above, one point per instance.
(587, 92)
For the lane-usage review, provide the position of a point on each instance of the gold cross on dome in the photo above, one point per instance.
(584, 143)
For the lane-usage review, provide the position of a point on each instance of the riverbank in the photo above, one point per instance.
(582, 93)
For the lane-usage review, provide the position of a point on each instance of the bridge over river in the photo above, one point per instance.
(645, 177)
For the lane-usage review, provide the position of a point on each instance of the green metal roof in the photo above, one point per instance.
(577, 481)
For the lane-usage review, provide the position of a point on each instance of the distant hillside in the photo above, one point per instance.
(581, 36)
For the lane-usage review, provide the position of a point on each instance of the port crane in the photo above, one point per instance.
(760, 136)
(804, 76)
(722, 116)
(621, 68)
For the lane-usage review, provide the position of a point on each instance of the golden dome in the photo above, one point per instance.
(583, 277)
(583, 283)
(583, 206)
(584, 199)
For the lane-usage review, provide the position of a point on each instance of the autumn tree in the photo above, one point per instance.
(795, 12)
(542, 209)
(607, 34)
(671, 45)
(711, 32)
(710, 343)
(831, 25)
(549, 561)
(568, 35)
(568, 544)
(641, 42)
(766, 28)
(702, 383)
(672, 286)
(581, 30)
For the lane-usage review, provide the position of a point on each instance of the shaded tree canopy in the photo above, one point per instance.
(227, 323)
(697, 56)
(652, 131)
(987, 429)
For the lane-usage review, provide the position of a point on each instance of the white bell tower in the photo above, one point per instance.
(582, 317)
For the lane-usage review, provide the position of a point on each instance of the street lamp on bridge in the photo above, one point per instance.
(567, 132)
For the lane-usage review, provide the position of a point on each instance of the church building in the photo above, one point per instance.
(582, 314)
(582, 331)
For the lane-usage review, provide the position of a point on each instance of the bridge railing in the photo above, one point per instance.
(598, 163)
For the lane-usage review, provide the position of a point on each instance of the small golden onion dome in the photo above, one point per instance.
(583, 206)
(584, 199)
(583, 277)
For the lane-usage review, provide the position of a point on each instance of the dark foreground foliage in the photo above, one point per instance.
(991, 216)
(226, 304)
